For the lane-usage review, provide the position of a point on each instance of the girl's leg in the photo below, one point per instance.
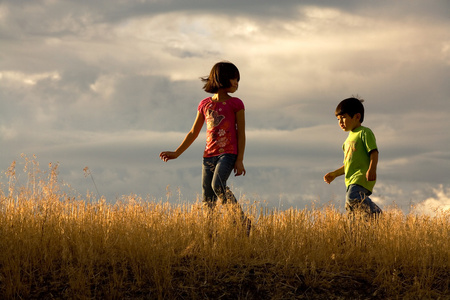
(208, 169)
(215, 173)
(224, 166)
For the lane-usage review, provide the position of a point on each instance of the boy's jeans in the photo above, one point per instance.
(357, 198)
(215, 173)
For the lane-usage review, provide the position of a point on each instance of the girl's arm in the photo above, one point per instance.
(371, 174)
(239, 165)
(188, 140)
(329, 177)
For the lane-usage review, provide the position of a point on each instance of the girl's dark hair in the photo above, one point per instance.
(220, 76)
(351, 106)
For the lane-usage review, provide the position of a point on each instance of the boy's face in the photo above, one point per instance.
(348, 123)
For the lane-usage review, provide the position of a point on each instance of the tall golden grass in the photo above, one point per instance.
(55, 246)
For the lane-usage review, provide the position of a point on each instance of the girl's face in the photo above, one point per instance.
(234, 85)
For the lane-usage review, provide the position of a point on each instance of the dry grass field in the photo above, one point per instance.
(57, 247)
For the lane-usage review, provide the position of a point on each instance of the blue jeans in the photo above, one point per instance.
(357, 198)
(215, 173)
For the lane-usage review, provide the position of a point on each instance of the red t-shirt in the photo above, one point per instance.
(220, 119)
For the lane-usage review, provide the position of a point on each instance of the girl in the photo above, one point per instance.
(225, 134)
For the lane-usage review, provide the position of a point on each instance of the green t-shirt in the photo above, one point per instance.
(357, 147)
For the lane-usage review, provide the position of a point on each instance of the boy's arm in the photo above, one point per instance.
(188, 140)
(240, 121)
(371, 174)
(329, 177)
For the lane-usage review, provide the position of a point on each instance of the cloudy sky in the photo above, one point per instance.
(108, 85)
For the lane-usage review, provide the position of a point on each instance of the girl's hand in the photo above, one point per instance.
(239, 168)
(168, 155)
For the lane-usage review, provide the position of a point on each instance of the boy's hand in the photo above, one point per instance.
(239, 168)
(329, 177)
(371, 175)
(168, 155)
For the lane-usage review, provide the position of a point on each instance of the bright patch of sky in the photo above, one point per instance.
(110, 84)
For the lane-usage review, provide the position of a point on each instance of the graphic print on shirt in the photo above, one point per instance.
(213, 118)
(350, 147)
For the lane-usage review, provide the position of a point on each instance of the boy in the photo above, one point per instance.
(360, 158)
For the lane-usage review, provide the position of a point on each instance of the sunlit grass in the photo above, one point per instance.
(55, 246)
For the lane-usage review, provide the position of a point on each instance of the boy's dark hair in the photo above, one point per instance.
(351, 106)
(220, 76)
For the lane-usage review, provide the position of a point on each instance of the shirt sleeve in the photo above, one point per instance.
(238, 105)
(369, 140)
(201, 105)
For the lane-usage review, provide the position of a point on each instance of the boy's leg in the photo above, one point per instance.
(357, 198)
(374, 209)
